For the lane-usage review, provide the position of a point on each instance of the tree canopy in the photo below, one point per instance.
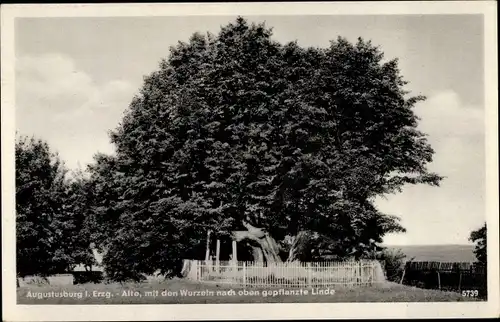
(238, 132)
(279, 146)
(48, 220)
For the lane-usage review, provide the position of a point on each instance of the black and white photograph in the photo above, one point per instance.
(231, 156)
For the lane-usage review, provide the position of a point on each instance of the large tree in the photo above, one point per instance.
(50, 211)
(40, 188)
(273, 143)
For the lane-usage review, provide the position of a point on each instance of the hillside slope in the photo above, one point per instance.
(438, 253)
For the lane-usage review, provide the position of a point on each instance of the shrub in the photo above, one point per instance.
(393, 262)
(33, 280)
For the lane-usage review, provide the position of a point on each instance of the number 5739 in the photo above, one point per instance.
(470, 293)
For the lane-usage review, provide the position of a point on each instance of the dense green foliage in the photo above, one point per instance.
(236, 130)
(479, 237)
(393, 261)
(48, 222)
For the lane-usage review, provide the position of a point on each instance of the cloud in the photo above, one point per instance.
(444, 115)
(448, 213)
(62, 104)
(457, 134)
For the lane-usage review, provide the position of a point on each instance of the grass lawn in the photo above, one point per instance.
(175, 292)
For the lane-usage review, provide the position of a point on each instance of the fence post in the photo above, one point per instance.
(309, 274)
(439, 275)
(360, 273)
(217, 255)
(207, 252)
(244, 275)
(235, 271)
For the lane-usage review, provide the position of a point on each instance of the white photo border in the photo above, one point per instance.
(15, 312)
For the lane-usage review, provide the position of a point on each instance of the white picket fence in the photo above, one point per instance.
(311, 274)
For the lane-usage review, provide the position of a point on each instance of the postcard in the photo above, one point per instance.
(249, 161)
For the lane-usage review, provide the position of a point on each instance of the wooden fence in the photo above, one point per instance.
(450, 276)
(296, 274)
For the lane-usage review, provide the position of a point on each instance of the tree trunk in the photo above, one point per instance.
(258, 255)
(299, 243)
(267, 248)
(97, 256)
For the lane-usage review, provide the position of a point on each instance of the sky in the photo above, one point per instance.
(76, 76)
